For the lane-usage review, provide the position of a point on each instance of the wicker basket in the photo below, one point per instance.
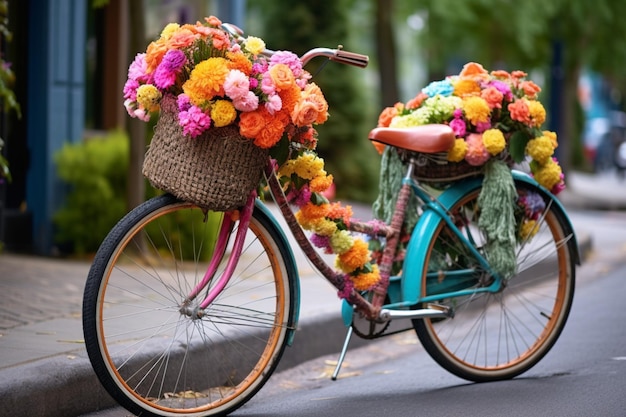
(216, 170)
(435, 167)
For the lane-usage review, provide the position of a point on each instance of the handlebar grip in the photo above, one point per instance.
(350, 58)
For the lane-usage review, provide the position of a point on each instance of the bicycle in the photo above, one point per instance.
(169, 336)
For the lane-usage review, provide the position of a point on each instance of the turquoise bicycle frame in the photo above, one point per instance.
(404, 290)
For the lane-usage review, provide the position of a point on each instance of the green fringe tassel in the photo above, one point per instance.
(497, 219)
(392, 171)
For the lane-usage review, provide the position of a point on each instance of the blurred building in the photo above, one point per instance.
(70, 60)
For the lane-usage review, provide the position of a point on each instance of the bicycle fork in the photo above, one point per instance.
(198, 311)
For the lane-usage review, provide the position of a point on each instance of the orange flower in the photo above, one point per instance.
(213, 21)
(501, 74)
(313, 211)
(338, 212)
(366, 281)
(416, 101)
(272, 129)
(473, 69)
(530, 89)
(380, 147)
(354, 258)
(386, 115)
(182, 38)
(282, 76)
(290, 97)
(321, 183)
(519, 111)
(466, 87)
(314, 94)
(493, 97)
(239, 62)
(154, 55)
(251, 123)
(304, 113)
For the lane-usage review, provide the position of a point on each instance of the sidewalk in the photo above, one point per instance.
(44, 369)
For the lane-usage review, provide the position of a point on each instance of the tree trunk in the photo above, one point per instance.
(386, 51)
(137, 128)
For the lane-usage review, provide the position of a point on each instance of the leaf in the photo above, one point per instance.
(517, 146)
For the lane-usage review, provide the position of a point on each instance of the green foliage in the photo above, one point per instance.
(96, 172)
(343, 143)
(188, 234)
(7, 78)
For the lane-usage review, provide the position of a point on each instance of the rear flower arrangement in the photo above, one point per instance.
(493, 115)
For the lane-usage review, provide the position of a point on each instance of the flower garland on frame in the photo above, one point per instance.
(305, 182)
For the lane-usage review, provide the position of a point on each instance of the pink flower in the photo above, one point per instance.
(183, 102)
(168, 69)
(130, 89)
(236, 85)
(247, 102)
(458, 126)
(482, 126)
(476, 154)
(137, 69)
(267, 85)
(274, 103)
(194, 121)
(288, 58)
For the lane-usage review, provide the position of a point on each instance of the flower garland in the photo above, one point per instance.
(305, 181)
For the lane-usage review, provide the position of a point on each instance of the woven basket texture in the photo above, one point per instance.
(216, 170)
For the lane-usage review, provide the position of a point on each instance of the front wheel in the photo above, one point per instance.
(149, 352)
(495, 336)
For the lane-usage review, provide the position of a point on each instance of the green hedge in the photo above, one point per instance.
(95, 171)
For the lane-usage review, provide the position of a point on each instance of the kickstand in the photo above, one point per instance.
(342, 355)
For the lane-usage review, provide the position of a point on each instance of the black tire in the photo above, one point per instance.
(496, 336)
(154, 359)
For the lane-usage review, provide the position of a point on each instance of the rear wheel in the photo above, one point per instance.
(495, 336)
(151, 355)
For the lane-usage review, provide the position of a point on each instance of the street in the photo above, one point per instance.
(583, 375)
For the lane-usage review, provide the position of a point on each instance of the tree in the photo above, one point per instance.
(531, 34)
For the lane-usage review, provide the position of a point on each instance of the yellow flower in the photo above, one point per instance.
(537, 113)
(476, 110)
(206, 80)
(458, 151)
(148, 97)
(528, 229)
(552, 137)
(549, 174)
(494, 141)
(309, 166)
(169, 30)
(540, 149)
(323, 227)
(254, 45)
(223, 113)
(366, 281)
(341, 241)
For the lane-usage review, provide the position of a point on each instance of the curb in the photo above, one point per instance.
(66, 385)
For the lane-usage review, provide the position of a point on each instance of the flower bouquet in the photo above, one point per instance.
(493, 115)
(222, 106)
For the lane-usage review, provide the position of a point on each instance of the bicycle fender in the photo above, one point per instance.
(290, 265)
(416, 254)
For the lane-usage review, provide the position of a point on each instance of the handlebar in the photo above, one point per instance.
(336, 55)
